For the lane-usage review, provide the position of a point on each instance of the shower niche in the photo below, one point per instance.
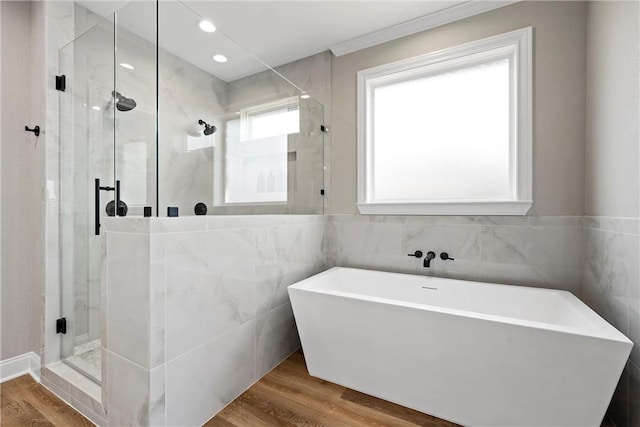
(149, 113)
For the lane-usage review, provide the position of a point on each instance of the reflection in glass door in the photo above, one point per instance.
(87, 117)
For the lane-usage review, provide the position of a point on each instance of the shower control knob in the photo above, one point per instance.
(445, 256)
(122, 208)
(417, 254)
(200, 209)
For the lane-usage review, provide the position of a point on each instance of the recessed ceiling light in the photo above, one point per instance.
(127, 66)
(220, 58)
(304, 96)
(95, 107)
(206, 26)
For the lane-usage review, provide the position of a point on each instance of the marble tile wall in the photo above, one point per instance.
(198, 310)
(201, 299)
(127, 328)
(611, 287)
(187, 94)
(532, 251)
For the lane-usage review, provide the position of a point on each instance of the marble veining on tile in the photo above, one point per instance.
(203, 381)
(531, 251)
(611, 287)
(230, 307)
(226, 307)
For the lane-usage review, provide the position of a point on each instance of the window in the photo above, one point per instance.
(255, 164)
(448, 132)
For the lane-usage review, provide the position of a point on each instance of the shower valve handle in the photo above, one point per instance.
(445, 256)
(417, 254)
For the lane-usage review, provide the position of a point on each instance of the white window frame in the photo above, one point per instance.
(247, 114)
(516, 45)
(220, 173)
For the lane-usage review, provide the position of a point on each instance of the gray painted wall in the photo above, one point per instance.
(612, 168)
(559, 98)
(16, 146)
(39, 82)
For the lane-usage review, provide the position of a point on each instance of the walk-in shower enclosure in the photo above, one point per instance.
(137, 90)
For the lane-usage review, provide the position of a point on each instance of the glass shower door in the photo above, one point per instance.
(86, 152)
(136, 97)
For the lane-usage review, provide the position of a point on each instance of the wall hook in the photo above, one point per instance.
(35, 130)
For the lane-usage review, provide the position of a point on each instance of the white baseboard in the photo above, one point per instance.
(28, 363)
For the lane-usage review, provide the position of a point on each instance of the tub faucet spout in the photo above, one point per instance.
(427, 260)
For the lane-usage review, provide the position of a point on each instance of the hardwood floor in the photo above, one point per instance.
(288, 396)
(24, 402)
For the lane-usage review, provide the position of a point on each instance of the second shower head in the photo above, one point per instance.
(208, 129)
(122, 102)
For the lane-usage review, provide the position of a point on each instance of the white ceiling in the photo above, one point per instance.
(276, 32)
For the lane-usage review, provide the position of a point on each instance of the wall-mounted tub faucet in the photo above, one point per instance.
(427, 260)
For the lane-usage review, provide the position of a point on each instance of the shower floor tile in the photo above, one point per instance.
(88, 361)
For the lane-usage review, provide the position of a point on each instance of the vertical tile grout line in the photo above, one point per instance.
(252, 230)
(164, 328)
(105, 343)
(150, 285)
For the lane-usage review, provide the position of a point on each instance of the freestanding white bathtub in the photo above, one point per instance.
(477, 354)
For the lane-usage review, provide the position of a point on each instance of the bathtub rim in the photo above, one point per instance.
(599, 328)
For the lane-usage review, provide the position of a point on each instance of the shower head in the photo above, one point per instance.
(122, 102)
(208, 129)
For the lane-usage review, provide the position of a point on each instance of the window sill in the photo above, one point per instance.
(235, 204)
(511, 207)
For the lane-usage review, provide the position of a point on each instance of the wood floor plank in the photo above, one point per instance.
(240, 414)
(384, 413)
(244, 407)
(289, 396)
(331, 413)
(219, 420)
(315, 416)
(14, 387)
(308, 385)
(394, 410)
(318, 389)
(42, 408)
(23, 414)
(273, 414)
(54, 408)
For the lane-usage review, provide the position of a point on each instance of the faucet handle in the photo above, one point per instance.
(417, 254)
(445, 256)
